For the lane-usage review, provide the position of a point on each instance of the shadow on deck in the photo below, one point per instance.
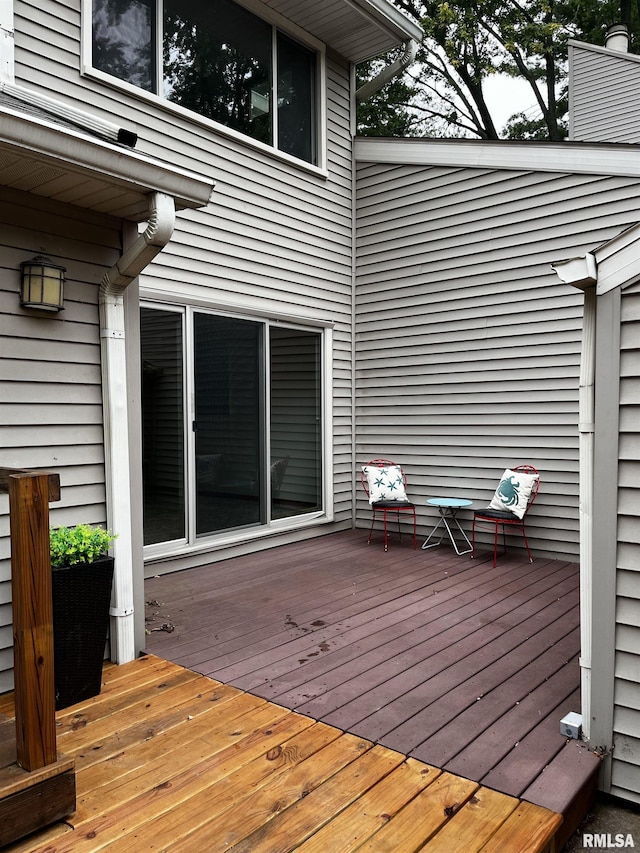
(466, 667)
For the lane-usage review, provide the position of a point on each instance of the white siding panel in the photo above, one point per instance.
(468, 347)
(50, 368)
(626, 757)
(626, 769)
(605, 95)
(627, 694)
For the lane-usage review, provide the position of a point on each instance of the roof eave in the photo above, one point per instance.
(391, 18)
(93, 157)
(569, 157)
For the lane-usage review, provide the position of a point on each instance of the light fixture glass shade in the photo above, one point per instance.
(42, 284)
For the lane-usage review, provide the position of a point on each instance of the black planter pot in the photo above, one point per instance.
(81, 600)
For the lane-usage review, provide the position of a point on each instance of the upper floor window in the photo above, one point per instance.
(217, 59)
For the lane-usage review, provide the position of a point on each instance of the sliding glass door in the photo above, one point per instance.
(163, 425)
(232, 423)
(228, 422)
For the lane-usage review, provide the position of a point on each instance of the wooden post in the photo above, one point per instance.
(29, 495)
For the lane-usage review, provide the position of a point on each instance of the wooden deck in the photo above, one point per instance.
(168, 760)
(466, 667)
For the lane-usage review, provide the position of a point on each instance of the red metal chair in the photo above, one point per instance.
(386, 483)
(503, 518)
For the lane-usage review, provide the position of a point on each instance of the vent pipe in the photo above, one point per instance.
(617, 38)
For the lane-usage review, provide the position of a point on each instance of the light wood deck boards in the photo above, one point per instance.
(467, 667)
(171, 761)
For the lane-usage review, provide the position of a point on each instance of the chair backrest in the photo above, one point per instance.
(529, 469)
(379, 463)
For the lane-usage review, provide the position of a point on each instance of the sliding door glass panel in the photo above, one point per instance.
(296, 422)
(162, 425)
(228, 423)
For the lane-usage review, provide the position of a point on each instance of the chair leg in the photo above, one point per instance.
(415, 530)
(526, 544)
(373, 521)
(399, 530)
(495, 545)
(386, 535)
(473, 539)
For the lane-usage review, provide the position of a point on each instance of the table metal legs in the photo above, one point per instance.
(448, 518)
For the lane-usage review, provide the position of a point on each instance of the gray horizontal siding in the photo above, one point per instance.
(604, 96)
(468, 346)
(50, 370)
(626, 723)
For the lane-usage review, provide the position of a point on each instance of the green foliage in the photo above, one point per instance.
(80, 544)
(466, 42)
(390, 111)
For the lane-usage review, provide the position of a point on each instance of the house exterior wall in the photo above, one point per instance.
(625, 771)
(276, 239)
(467, 346)
(604, 98)
(50, 382)
(275, 242)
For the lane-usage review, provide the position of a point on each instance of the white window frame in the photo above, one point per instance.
(158, 101)
(193, 544)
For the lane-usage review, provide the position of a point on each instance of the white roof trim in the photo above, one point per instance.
(116, 164)
(568, 157)
(618, 260)
(606, 51)
(615, 263)
(391, 18)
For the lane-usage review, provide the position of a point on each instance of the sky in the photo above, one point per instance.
(506, 96)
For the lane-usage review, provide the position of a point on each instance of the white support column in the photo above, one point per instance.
(586, 428)
(116, 443)
(115, 415)
(583, 274)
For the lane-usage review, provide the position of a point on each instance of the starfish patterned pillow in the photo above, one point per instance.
(385, 484)
(513, 492)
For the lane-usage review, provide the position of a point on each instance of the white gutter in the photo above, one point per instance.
(582, 273)
(80, 154)
(115, 412)
(372, 86)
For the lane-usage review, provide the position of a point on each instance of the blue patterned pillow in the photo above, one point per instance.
(385, 484)
(514, 492)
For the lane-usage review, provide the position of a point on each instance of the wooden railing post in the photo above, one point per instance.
(29, 495)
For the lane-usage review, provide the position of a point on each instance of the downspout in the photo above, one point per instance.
(115, 414)
(372, 86)
(582, 273)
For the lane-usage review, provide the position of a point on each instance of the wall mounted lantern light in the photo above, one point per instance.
(42, 284)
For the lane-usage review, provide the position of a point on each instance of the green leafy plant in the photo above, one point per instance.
(79, 544)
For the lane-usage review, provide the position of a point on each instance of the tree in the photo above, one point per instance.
(467, 41)
(392, 110)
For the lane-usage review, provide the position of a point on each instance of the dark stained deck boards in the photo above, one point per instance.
(448, 659)
(445, 619)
